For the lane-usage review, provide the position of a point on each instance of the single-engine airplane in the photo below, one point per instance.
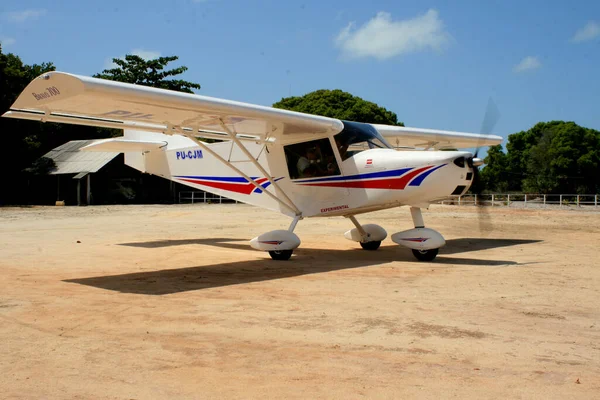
(298, 164)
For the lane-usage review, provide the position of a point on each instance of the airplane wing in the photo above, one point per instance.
(67, 98)
(400, 136)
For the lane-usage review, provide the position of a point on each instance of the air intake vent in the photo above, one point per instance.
(458, 190)
(460, 162)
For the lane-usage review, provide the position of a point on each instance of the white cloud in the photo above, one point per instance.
(24, 15)
(527, 64)
(145, 54)
(7, 41)
(589, 32)
(383, 38)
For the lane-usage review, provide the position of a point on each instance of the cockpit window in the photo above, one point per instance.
(311, 159)
(356, 137)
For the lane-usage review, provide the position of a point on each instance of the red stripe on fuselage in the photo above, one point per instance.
(394, 183)
(243, 188)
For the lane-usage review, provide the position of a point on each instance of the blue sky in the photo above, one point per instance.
(433, 63)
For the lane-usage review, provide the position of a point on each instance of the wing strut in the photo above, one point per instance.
(237, 141)
(203, 145)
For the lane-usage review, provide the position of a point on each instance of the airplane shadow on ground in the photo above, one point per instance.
(304, 262)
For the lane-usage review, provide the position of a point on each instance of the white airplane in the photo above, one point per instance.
(298, 164)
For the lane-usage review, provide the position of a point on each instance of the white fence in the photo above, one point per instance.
(526, 200)
(494, 200)
(202, 197)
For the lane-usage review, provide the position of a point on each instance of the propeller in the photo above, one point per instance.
(487, 126)
(490, 119)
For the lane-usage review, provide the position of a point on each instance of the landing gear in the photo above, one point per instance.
(279, 243)
(425, 255)
(424, 242)
(370, 245)
(369, 236)
(281, 255)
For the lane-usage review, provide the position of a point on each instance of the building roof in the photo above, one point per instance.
(69, 160)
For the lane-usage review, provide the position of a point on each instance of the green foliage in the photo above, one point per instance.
(20, 139)
(341, 105)
(494, 176)
(41, 166)
(134, 69)
(551, 157)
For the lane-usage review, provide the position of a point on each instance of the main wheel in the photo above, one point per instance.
(371, 245)
(281, 254)
(425, 255)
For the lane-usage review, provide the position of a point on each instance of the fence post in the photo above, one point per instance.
(492, 200)
(560, 200)
(459, 200)
(204, 197)
(577, 200)
(475, 199)
(595, 200)
(525, 200)
(544, 200)
(508, 200)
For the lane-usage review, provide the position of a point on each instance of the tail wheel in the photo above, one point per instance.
(281, 255)
(371, 245)
(425, 255)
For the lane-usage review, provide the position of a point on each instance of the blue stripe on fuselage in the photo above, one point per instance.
(381, 174)
(419, 179)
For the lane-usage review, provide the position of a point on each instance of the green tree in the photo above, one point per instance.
(134, 69)
(554, 157)
(341, 105)
(21, 140)
(493, 177)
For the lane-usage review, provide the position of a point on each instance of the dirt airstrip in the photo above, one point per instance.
(147, 302)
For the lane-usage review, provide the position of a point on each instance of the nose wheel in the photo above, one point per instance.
(281, 255)
(370, 245)
(425, 255)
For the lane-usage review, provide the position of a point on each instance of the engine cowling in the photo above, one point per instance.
(375, 232)
(276, 240)
(419, 239)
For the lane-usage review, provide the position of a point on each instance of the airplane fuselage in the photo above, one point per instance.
(369, 180)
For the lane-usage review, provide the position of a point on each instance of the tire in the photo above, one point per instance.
(371, 245)
(425, 255)
(281, 255)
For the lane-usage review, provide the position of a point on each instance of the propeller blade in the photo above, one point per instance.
(490, 119)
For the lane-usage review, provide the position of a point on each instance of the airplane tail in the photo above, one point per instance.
(180, 159)
(144, 151)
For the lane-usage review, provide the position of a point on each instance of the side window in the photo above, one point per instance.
(311, 159)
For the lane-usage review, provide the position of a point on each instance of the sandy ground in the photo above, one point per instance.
(141, 302)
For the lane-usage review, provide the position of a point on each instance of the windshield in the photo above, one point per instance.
(356, 137)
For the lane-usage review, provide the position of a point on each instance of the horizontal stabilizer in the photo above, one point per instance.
(123, 145)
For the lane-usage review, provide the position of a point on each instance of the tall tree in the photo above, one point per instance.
(134, 69)
(341, 105)
(22, 141)
(551, 157)
(494, 175)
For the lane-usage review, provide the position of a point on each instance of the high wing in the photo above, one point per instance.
(67, 98)
(405, 137)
